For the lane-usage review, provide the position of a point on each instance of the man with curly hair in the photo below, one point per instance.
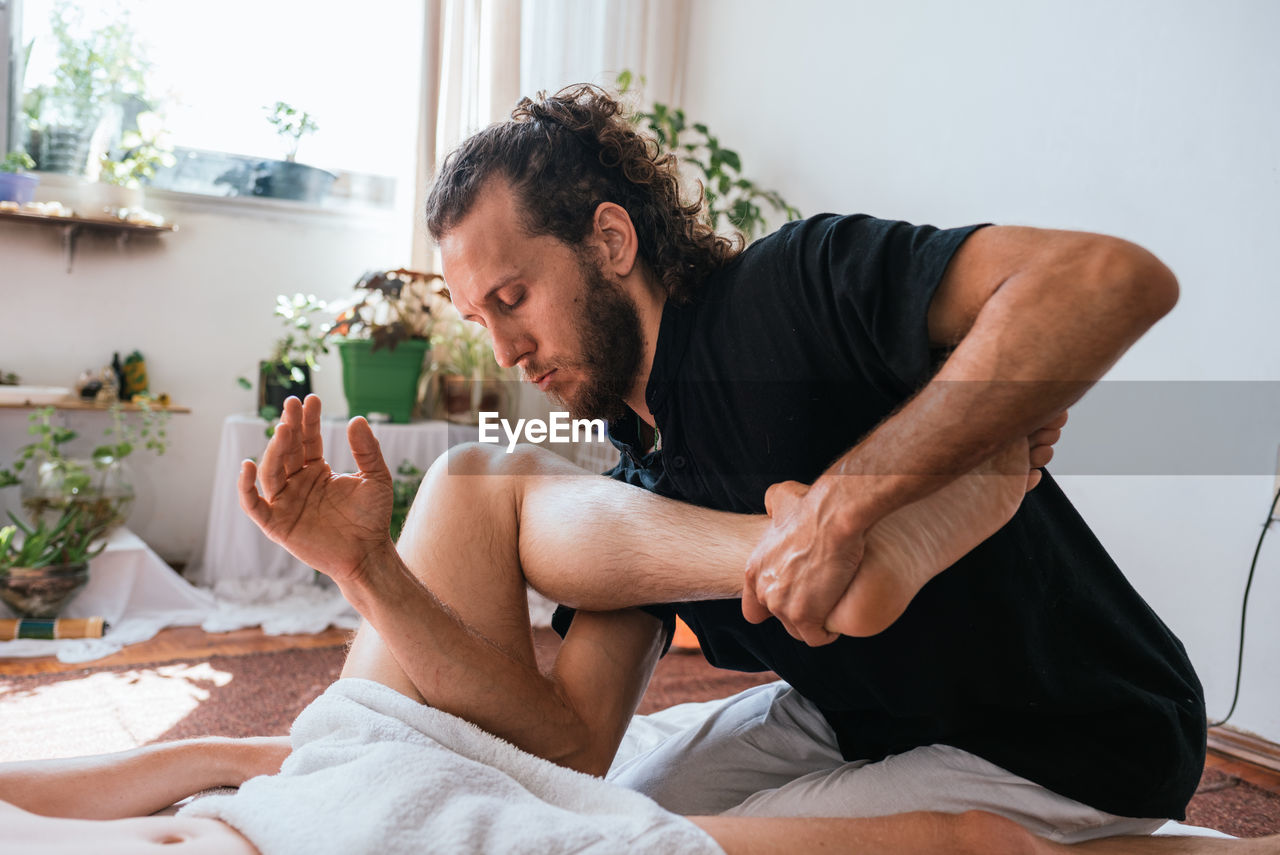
(832, 374)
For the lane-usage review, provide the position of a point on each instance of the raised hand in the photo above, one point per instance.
(333, 522)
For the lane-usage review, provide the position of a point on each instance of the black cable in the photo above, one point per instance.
(1244, 609)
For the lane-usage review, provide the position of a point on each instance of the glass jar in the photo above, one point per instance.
(100, 487)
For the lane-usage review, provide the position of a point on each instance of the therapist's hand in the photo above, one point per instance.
(804, 563)
(333, 523)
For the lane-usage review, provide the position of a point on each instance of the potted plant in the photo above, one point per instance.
(99, 69)
(731, 198)
(142, 151)
(384, 333)
(99, 487)
(288, 370)
(42, 572)
(15, 184)
(467, 377)
(288, 179)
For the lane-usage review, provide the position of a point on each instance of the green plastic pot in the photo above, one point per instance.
(382, 382)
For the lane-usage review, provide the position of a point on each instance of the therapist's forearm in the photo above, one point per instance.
(1034, 349)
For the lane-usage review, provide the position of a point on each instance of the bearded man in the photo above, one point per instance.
(834, 375)
(825, 442)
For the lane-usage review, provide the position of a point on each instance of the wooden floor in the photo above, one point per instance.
(182, 642)
(190, 642)
(1261, 777)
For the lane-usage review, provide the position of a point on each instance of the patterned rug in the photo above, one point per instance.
(111, 709)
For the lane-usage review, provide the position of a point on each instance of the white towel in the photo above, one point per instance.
(374, 771)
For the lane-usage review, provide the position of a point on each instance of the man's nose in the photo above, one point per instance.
(508, 348)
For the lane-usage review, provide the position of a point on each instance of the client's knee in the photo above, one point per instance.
(473, 475)
(485, 458)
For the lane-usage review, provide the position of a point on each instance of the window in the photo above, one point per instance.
(207, 76)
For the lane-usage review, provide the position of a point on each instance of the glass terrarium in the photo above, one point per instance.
(100, 487)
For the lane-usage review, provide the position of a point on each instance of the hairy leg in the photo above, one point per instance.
(468, 648)
(461, 539)
(485, 522)
(598, 544)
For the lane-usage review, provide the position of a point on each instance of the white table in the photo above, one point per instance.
(135, 590)
(239, 561)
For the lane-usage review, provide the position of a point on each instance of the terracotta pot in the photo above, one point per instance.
(465, 398)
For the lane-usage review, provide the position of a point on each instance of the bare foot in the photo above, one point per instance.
(917, 542)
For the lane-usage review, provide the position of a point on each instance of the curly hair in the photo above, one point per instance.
(564, 155)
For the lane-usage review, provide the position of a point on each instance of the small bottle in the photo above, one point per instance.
(118, 368)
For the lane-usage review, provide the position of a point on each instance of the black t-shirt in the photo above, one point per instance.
(1032, 651)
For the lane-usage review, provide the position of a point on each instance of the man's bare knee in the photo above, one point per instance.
(465, 473)
(485, 458)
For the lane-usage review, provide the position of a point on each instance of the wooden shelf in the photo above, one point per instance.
(73, 226)
(77, 404)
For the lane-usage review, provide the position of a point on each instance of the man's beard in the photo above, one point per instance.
(611, 348)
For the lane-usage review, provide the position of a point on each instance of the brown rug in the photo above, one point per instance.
(111, 709)
(258, 694)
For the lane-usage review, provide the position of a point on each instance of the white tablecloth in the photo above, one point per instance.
(237, 560)
(135, 590)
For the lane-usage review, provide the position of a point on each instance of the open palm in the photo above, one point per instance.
(332, 522)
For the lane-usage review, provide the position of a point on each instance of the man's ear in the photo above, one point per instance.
(617, 238)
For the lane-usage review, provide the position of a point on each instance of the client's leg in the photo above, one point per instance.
(971, 833)
(485, 522)
(598, 544)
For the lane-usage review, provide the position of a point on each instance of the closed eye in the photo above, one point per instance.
(508, 305)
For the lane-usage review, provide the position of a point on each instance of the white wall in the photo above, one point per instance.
(198, 304)
(1148, 119)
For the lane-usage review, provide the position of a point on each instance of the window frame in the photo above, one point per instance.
(10, 19)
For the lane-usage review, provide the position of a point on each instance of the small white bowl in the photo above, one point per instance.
(36, 396)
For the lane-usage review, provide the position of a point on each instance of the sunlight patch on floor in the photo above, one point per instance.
(106, 711)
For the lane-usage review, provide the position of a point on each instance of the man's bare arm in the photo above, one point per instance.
(1035, 318)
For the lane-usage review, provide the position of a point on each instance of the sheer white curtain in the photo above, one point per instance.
(470, 78)
(480, 56)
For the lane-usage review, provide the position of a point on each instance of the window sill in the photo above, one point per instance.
(74, 190)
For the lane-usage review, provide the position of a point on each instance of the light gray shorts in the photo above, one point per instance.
(770, 752)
